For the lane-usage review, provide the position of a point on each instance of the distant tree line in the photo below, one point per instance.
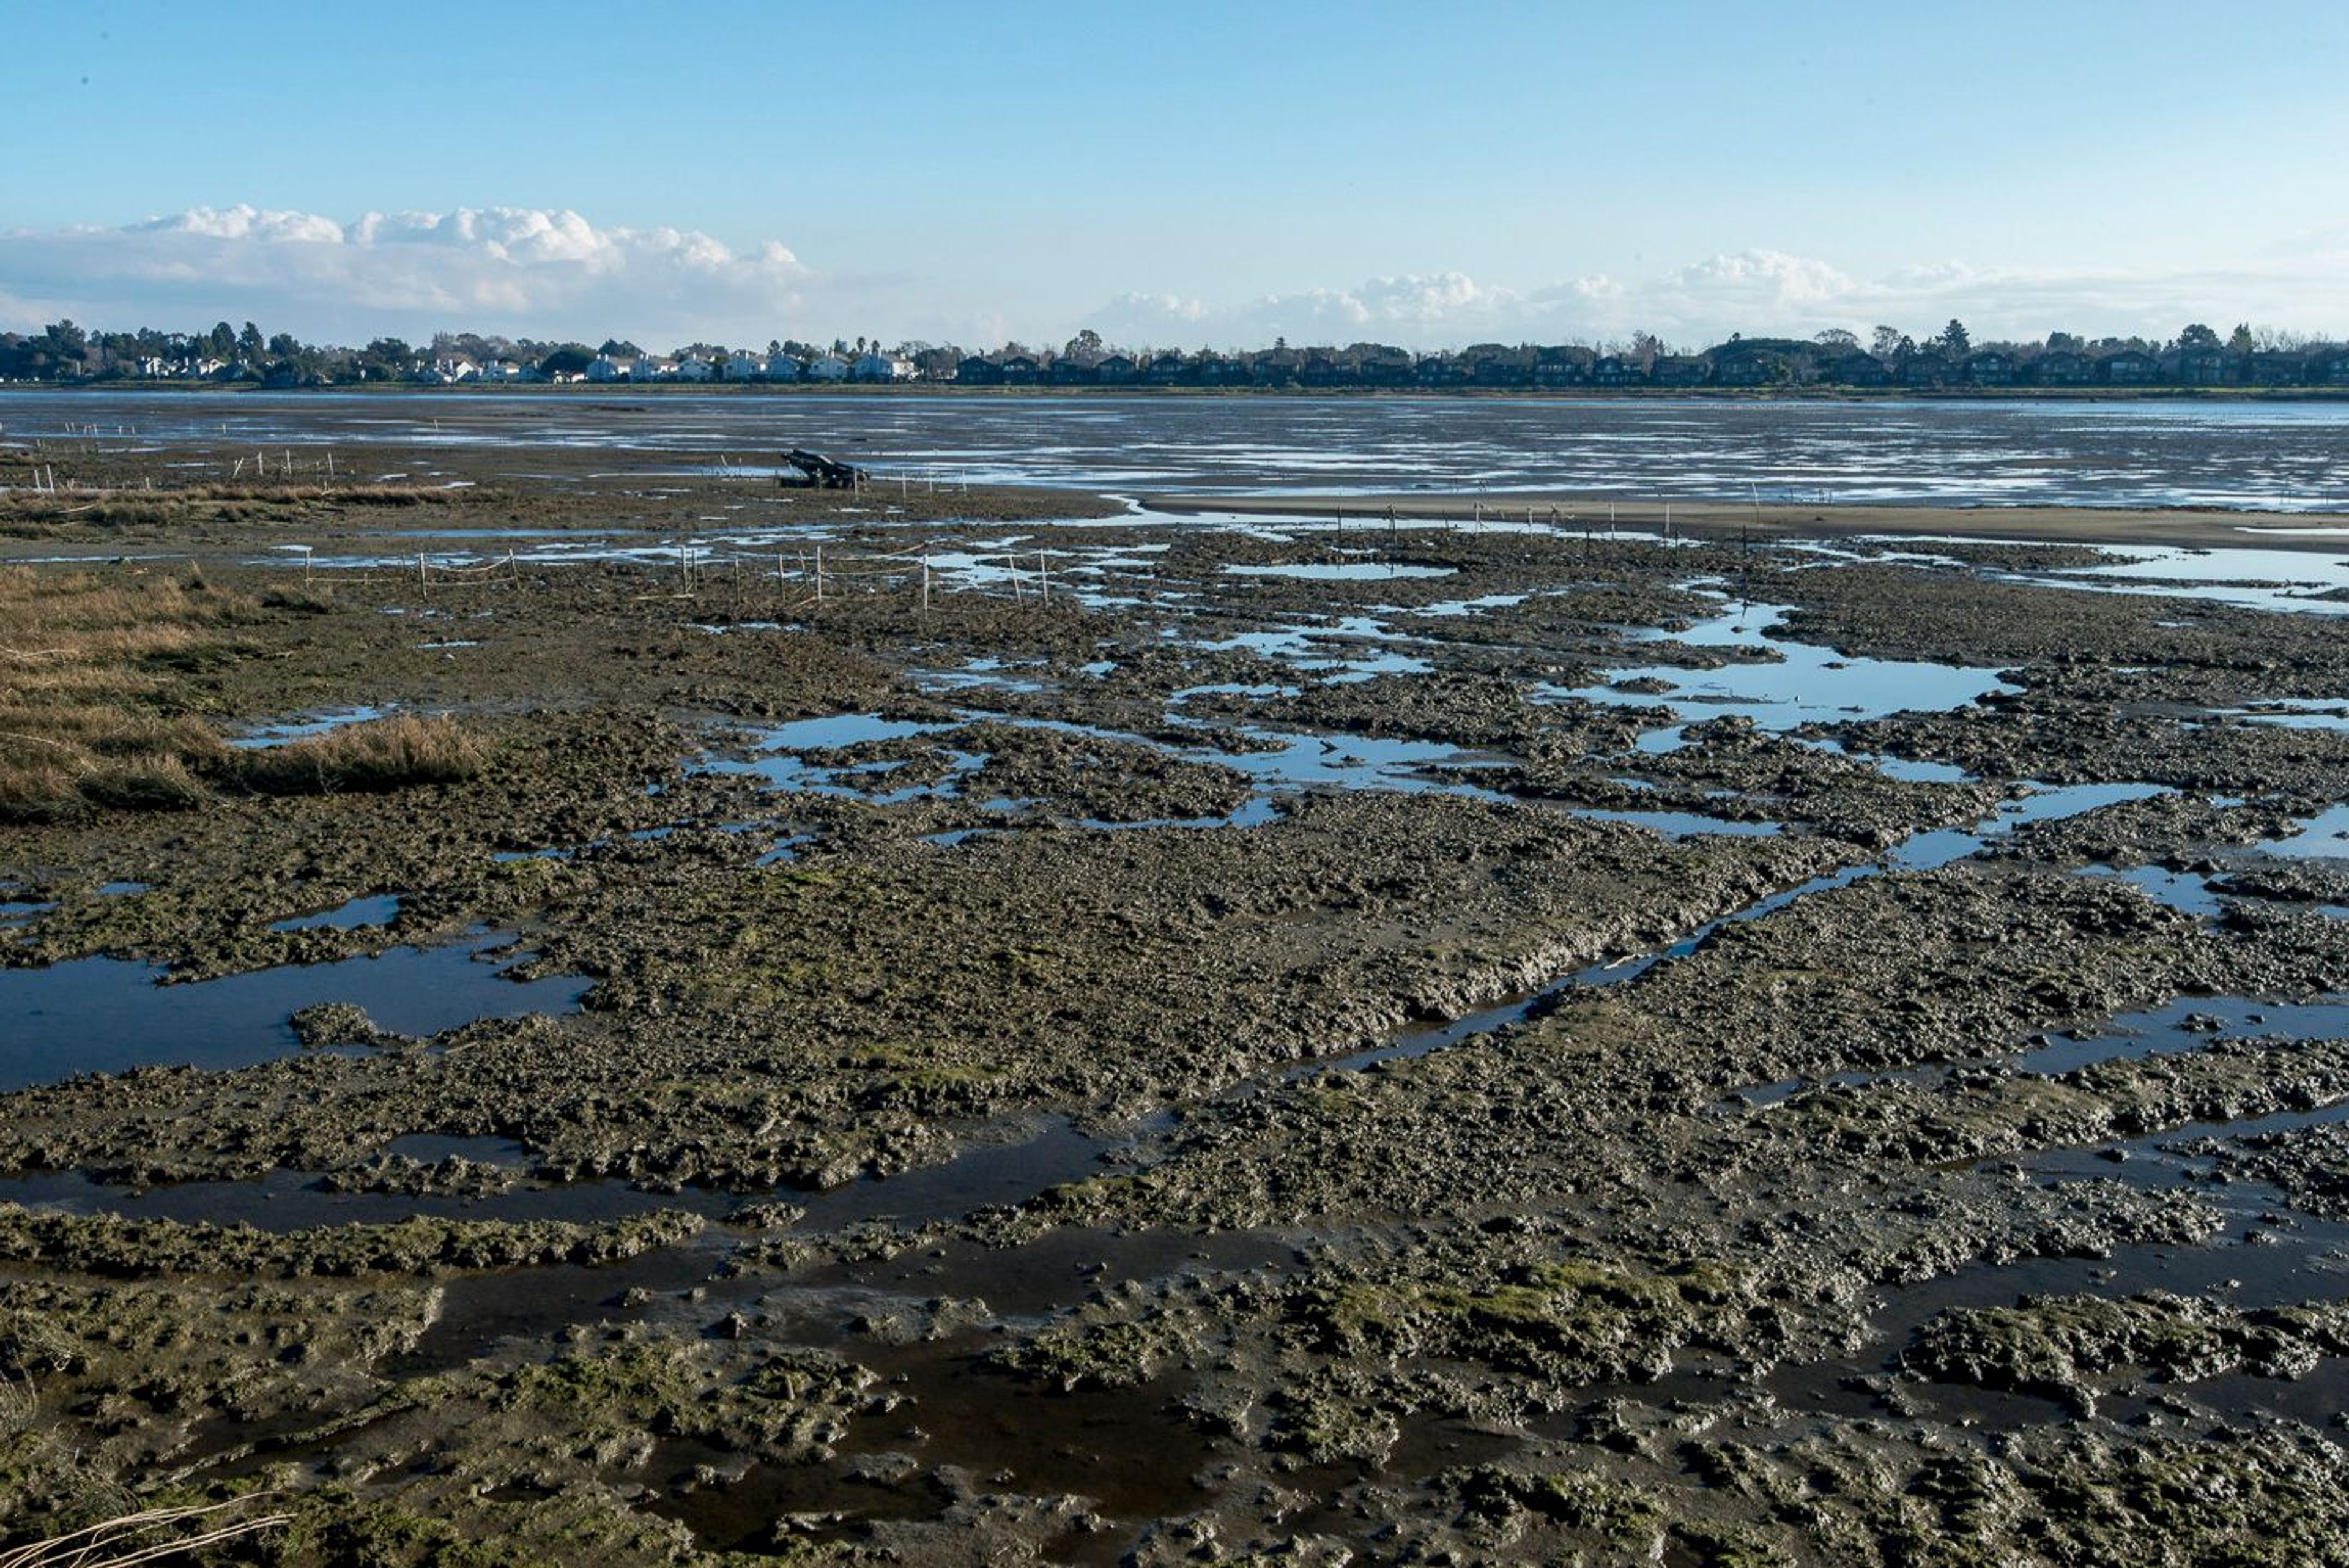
(1834, 359)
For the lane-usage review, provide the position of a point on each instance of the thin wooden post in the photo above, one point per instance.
(819, 574)
(926, 582)
(1043, 577)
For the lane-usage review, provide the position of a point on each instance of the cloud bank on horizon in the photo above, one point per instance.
(553, 274)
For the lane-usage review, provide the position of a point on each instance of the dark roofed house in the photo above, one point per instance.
(1325, 368)
(1679, 370)
(1856, 370)
(2129, 367)
(1276, 367)
(1988, 369)
(2329, 367)
(1748, 365)
(978, 370)
(1114, 367)
(2062, 367)
(1164, 370)
(1563, 365)
(1615, 370)
(1388, 368)
(2274, 368)
(1926, 370)
(1757, 361)
(1207, 369)
(2202, 367)
(1442, 371)
(1018, 369)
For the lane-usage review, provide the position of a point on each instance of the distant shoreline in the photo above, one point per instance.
(609, 389)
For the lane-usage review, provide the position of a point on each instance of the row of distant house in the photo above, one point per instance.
(873, 366)
(1751, 362)
(1757, 363)
(689, 368)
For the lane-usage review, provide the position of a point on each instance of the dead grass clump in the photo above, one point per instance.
(302, 600)
(376, 756)
(88, 663)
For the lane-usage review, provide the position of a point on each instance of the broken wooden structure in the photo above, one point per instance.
(823, 473)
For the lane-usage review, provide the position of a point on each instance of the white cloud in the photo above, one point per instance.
(1760, 293)
(548, 273)
(517, 270)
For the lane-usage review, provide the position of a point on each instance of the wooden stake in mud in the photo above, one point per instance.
(819, 574)
(926, 582)
(423, 583)
(1043, 577)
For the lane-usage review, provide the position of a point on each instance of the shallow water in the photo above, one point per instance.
(380, 909)
(1804, 684)
(261, 737)
(2323, 836)
(1813, 455)
(107, 1015)
(2189, 1024)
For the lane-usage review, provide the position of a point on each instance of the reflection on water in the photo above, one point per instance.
(107, 1015)
(1802, 684)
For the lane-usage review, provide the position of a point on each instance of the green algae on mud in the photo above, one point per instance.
(1706, 1259)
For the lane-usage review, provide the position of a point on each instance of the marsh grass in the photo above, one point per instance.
(88, 669)
(378, 754)
(29, 514)
(92, 710)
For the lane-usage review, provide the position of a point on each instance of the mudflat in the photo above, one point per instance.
(2193, 528)
(563, 1008)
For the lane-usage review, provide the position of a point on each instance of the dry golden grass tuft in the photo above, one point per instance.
(378, 754)
(87, 667)
(34, 513)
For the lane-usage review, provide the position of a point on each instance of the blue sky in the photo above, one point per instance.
(1206, 173)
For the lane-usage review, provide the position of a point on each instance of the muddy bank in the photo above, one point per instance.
(1197, 1040)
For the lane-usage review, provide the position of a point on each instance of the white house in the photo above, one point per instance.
(606, 368)
(879, 367)
(783, 368)
(651, 369)
(827, 368)
(744, 368)
(694, 367)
